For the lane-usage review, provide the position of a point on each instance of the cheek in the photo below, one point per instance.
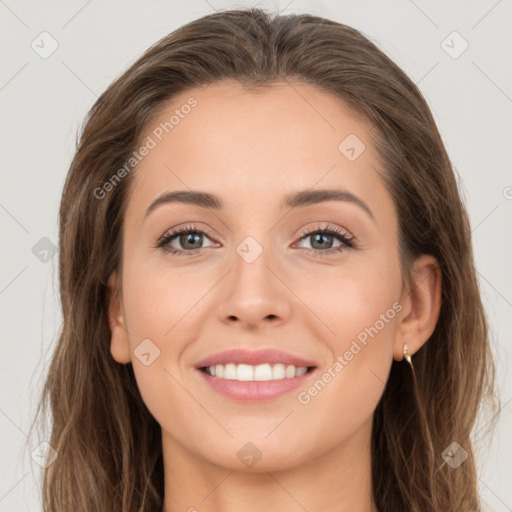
(356, 311)
(365, 321)
(362, 323)
(354, 302)
(159, 301)
(162, 309)
(167, 398)
(346, 392)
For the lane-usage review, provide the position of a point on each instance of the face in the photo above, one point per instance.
(253, 274)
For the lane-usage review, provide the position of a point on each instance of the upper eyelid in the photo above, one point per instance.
(326, 228)
(304, 232)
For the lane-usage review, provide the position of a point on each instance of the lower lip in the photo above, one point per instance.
(254, 391)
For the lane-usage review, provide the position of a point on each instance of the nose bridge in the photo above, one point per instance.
(253, 291)
(251, 274)
(255, 247)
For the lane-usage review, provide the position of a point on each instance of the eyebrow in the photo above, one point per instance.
(292, 200)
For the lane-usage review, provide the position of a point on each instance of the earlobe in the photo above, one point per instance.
(119, 344)
(422, 305)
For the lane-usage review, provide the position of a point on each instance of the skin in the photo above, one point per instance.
(250, 148)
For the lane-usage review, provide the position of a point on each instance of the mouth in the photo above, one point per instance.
(252, 376)
(256, 373)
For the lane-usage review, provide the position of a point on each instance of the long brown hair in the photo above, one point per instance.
(108, 444)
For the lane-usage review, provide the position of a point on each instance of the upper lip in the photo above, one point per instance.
(240, 356)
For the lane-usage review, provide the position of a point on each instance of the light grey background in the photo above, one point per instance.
(43, 102)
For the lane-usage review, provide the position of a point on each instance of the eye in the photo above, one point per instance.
(190, 238)
(322, 239)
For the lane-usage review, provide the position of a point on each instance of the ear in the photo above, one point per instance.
(119, 345)
(421, 306)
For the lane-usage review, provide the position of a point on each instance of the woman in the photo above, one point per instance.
(321, 344)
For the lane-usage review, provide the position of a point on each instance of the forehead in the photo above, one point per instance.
(258, 144)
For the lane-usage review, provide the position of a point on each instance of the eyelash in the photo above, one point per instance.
(348, 241)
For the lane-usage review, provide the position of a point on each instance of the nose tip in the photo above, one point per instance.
(254, 296)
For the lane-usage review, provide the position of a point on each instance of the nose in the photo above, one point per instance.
(255, 295)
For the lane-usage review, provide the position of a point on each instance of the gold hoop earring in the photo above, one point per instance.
(407, 357)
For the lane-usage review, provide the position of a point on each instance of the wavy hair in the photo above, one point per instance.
(109, 445)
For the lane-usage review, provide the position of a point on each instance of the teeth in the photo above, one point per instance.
(244, 372)
(300, 371)
(262, 372)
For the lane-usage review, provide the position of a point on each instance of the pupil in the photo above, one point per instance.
(189, 237)
(319, 237)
